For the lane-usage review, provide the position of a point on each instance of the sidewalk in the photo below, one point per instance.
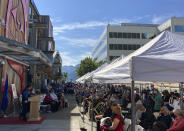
(67, 119)
(86, 123)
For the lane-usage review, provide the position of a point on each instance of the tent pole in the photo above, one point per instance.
(181, 95)
(92, 112)
(133, 107)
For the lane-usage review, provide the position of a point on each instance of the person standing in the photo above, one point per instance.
(25, 104)
(158, 101)
(176, 101)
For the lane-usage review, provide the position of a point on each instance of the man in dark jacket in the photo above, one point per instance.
(149, 103)
(25, 103)
(147, 119)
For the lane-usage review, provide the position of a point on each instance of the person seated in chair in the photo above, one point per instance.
(55, 101)
(147, 119)
(165, 117)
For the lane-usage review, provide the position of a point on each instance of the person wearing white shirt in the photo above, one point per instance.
(176, 102)
(55, 101)
(53, 96)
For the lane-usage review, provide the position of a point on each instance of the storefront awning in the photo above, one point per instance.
(23, 52)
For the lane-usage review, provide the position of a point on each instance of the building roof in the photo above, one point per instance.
(137, 24)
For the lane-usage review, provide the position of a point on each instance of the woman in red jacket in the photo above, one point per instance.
(178, 124)
(117, 121)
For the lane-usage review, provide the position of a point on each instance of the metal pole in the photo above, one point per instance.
(14, 107)
(141, 91)
(133, 108)
(92, 112)
(181, 95)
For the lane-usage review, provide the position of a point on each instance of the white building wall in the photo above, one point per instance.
(99, 40)
(132, 28)
(165, 26)
(149, 29)
(100, 48)
(171, 23)
(177, 21)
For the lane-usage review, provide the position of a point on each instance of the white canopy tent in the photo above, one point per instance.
(160, 60)
(90, 74)
(109, 74)
(82, 78)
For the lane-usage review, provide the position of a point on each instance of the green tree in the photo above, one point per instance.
(65, 75)
(88, 65)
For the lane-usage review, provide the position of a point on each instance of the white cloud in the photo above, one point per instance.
(158, 19)
(87, 25)
(86, 54)
(69, 60)
(80, 42)
(56, 20)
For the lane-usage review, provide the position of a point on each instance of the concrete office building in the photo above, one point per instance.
(117, 40)
(173, 24)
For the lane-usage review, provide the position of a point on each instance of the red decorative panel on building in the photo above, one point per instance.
(17, 20)
(19, 69)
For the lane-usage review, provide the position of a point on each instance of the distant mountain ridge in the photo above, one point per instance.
(71, 70)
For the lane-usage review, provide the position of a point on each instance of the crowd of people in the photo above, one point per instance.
(154, 110)
(110, 105)
(53, 97)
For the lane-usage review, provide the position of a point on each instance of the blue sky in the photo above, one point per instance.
(79, 23)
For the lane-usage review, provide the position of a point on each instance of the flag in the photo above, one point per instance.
(4, 103)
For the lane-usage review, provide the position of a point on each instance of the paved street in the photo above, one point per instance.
(67, 119)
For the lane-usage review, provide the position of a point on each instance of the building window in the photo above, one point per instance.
(119, 46)
(138, 35)
(138, 46)
(134, 35)
(129, 47)
(111, 46)
(124, 35)
(144, 35)
(110, 34)
(179, 28)
(30, 12)
(113, 57)
(125, 47)
(50, 46)
(115, 46)
(134, 47)
(120, 35)
(129, 35)
(115, 35)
